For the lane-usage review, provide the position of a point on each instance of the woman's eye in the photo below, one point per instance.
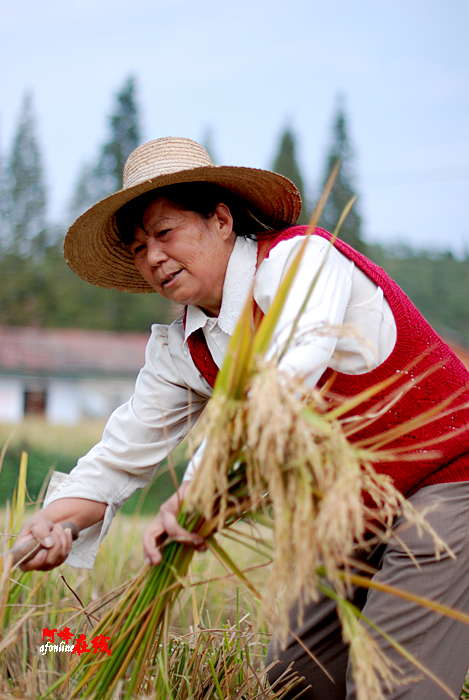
(138, 249)
(163, 233)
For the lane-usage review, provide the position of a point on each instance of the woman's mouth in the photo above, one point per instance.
(170, 279)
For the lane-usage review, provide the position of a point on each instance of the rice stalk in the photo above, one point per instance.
(364, 652)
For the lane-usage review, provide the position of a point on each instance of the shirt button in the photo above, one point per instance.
(217, 329)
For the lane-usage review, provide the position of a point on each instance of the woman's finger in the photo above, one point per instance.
(153, 534)
(64, 542)
(41, 530)
(165, 525)
(56, 545)
(178, 533)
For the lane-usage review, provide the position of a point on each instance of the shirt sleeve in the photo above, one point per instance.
(195, 462)
(316, 336)
(137, 438)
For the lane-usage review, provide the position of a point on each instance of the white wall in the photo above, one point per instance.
(63, 402)
(68, 401)
(11, 400)
(100, 397)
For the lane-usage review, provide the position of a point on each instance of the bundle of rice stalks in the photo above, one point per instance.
(304, 475)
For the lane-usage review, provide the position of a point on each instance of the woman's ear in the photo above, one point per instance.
(224, 220)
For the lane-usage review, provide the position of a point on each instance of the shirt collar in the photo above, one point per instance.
(239, 278)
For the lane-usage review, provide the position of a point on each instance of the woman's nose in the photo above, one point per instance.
(155, 252)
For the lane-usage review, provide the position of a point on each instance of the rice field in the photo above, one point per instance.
(217, 638)
(217, 642)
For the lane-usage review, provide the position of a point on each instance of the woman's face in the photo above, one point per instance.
(184, 256)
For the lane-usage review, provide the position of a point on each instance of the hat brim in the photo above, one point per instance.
(92, 247)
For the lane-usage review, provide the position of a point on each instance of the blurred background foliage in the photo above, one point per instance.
(38, 288)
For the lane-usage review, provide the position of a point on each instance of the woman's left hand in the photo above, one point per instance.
(166, 525)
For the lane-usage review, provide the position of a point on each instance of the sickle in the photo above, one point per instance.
(27, 550)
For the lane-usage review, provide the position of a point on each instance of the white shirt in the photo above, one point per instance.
(170, 393)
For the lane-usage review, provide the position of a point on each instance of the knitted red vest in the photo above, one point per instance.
(418, 345)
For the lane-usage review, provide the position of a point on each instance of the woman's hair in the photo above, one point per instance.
(200, 197)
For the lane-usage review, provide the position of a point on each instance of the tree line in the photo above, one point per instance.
(37, 287)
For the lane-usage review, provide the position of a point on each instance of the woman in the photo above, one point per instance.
(202, 236)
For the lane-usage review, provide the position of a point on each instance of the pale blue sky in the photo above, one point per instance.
(247, 68)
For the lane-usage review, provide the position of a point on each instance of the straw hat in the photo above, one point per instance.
(92, 247)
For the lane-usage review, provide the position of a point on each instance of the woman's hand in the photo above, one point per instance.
(56, 543)
(46, 528)
(166, 525)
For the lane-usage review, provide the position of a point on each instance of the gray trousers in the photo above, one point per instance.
(438, 642)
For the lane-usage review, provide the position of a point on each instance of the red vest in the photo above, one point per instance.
(418, 345)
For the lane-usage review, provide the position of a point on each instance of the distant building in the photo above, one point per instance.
(66, 375)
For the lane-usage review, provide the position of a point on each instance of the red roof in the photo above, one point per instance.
(47, 351)
(70, 351)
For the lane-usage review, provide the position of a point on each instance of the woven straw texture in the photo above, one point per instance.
(92, 248)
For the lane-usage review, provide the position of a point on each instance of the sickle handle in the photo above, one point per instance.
(27, 550)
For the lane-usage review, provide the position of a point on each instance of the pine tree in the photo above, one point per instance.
(286, 164)
(24, 190)
(207, 142)
(105, 177)
(343, 189)
(85, 193)
(124, 137)
(4, 205)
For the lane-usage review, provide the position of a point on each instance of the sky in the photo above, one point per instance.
(246, 70)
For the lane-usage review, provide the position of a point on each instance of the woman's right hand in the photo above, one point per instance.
(56, 542)
(46, 528)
